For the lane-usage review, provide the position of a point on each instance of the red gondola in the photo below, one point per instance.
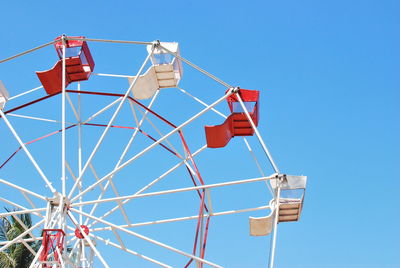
(78, 62)
(237, 123)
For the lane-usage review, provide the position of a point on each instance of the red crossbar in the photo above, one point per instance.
(121, 95)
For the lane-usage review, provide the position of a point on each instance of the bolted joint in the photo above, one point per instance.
(59, 200)
(64, 39)
(232, 90)
(282, 177)
(279, 178)
(235, 89)
(156, 43)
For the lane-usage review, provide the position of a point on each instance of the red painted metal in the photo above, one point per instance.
(28, 104)
(121, 95)
(246, 95)
(237, 123)
(89, 124)
(76, 47)
(198, 226)
(79, 65)
(203, 246)
(11, 156)
(190, 157)
(78, 233)
(52, 79)
(35, 140)
(203, 250)
(53, 239)
(186, 147)
(141, 131)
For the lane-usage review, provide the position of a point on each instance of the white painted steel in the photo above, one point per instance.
(27, 51)
(25, 227)
(179, 190)
(122, 157)
(58, 216)
(160, 133)
(21, 235)
(35, 263)
(27, 246)
(114, 75)
(244, 138)
(87, 238)
(2, 243)
(36, 118)
(111, 41)
(109, 243)
(28, 199)
(26, 92)
(76, 113)
(108, 126)
(271, 262)
(151, 183)
(78, 117)
(194, 217)
(63, 118)
(154, 144)
(150, 240)
(260, 139)
(38, 169)
(198, 68)
(22, 189)
(19, 212)
(20, 207)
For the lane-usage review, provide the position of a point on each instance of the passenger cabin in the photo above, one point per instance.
(291, 197)
(165, 72)
(261, 226)
(292, 190)
(237, 123)
(78, 62)
(3, 95)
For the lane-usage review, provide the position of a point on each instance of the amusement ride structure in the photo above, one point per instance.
(73, 155)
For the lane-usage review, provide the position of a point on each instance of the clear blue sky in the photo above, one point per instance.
(329, 76)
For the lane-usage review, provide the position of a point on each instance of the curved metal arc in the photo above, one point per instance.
(153, 145)
(99, 142)
(178, 190)
(148, 239)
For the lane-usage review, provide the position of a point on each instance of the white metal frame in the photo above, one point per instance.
(59, 206)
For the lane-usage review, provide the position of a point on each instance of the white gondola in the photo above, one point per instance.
(165, 72)
(292, 189)
(260, 226)
(3, 95)
(291, 197)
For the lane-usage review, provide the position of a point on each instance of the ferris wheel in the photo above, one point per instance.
(133, 166)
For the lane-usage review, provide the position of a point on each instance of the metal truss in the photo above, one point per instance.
(74, 199)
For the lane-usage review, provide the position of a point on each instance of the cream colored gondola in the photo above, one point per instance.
(292, 189)
(260, 226)
(165, 72)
